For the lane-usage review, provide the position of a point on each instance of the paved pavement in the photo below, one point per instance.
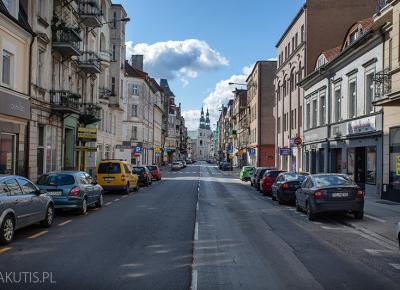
(201, 228)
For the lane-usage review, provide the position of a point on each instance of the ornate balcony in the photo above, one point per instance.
(89, 62)
(105, 55)
(114, 102)
(104, 93)
(90, 13)
(90, 113)
(383, 88)
(64, 101)
(66, 40)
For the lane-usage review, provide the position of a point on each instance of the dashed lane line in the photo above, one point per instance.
(375, 252)
(396, 266)
(124, 196)
(39, 234)
(374, 218)
(5, 249)
(117, 199)
(108, 203)
(64, 223)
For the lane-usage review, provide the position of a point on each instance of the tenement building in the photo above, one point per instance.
(318, 26)
(342, 127)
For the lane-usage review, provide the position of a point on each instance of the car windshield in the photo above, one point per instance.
(109, 168)
(332, 180)
(248, 168)
(152, 167)
(138, 169)
(56, 179)
(273, 173)
(295, 176)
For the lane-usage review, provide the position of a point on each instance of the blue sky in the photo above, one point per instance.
(228, 35)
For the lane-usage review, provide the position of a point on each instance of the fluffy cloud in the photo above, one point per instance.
(219, 96)
(177, 59)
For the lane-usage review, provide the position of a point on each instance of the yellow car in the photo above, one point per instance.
(116, 175)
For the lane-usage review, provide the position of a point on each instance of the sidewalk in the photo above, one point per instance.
(235, 172)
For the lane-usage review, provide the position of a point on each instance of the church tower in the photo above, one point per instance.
(208, 120)
(202, 120)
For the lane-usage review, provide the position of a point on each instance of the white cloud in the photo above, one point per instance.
(192, 119)
(217, 97)
(177, 59)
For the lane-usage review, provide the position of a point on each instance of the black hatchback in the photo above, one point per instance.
(285, 186)
(144, 175)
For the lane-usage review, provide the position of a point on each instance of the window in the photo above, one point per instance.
(296, 39)
(113, 86)
(284, 122)
(113, 52)
(134, 111)
(354, 36)
(338, 100)
(308, 112)
(40, 72)
(300, 113)
(286, 52)
(134, 133)
(302, 33)
(322, 110)
(135, 90)
(352, 99)
(314, 113)
(40, 149)
(26, 186)
(13, 187)
(51, 149)
(115, 20)
(288, 49)
(292, 43)
(279, 125)
(369, 93)
(6, 71)
(41, 9)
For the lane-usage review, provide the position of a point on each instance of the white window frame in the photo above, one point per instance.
(337, 87)
(12, 68)
(322, 94)
(352, 80)
(368, 72)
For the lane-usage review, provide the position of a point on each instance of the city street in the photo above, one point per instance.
(233, 237)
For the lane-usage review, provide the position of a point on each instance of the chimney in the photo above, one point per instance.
(137, 62)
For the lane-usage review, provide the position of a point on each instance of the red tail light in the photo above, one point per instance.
(123, 177)
(318, 194)
(75, 191)
(285, 186)
(360, 194)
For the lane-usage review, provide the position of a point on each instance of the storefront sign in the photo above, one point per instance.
(398, 165)
(14, 104)
(87, 134)
(252, 151)
(360, 126)
(137, 149)
(285, 151)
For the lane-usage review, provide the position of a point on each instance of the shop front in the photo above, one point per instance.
(14, 117)
(391, 191)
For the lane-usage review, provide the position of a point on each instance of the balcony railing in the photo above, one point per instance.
(90, 113)
(114, 102)
(64, 101)
(89, 62)
(104, 93)
(105, 55)
(66, 40)
(383, 83)
(90, 13)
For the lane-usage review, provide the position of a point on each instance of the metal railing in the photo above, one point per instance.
(89, 58)
(90, 113)
(64, 99)
(104, 93)
(90, 8)
(382, 83)
(68, 35)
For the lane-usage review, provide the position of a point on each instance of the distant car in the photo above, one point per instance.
(259, 176)
(176, 165)
(22, 204)
(285, 186)
(189, 161)
(143, 174)
(398, 233)
(183, 162)
(226, 166)
(72, 190)
(254, 176)
(155, 172)
(268, 178)
(246, 172)
(320, 193)
(116, 175)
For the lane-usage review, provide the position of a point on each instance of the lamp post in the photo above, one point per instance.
(125, 19)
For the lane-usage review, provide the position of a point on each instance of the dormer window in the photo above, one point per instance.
(320, 61)
(354, 36)
(11, 6)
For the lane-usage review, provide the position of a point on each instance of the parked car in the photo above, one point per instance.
(226, 166)
(155, 172)
(183, 162)
(72, 190)
(246, 172)
(176, 165)
(22, 204)
(116, 175)
(189, 161)
(322, 193)
(259, 176)
(144, 175)
(254, 176)
(267, 179)
(398, 233)
(285, 186)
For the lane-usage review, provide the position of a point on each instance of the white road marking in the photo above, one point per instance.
(64, 223)
(396, 266)
(124, 196)
(38, 234)
(117, 199)
(108, 203)
(196, 232)
(374, 218)
(3, 250)
(377, 252)
(332, 228)
(194, 280)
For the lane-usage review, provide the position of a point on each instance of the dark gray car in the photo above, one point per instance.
(22, 204)
(321, 193)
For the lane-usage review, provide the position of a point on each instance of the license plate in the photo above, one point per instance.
(54, 192)
(340, 194)
(108, 178)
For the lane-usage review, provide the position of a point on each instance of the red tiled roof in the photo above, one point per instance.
(331, 53)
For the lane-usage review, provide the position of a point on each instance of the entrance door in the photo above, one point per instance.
(338, 160)
(360, 166)
(69, 149)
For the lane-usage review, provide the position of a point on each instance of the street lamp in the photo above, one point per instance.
(125, 19)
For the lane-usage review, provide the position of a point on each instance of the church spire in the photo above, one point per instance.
(202, 120)
(208, 120)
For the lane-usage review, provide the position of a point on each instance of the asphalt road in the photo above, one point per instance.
(201, 228)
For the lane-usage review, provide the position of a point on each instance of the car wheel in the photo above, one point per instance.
(100, 201)
(48, 220)
(310, 214)
(83, 210)
(359, 215)
(7, 230)
(298, 208)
